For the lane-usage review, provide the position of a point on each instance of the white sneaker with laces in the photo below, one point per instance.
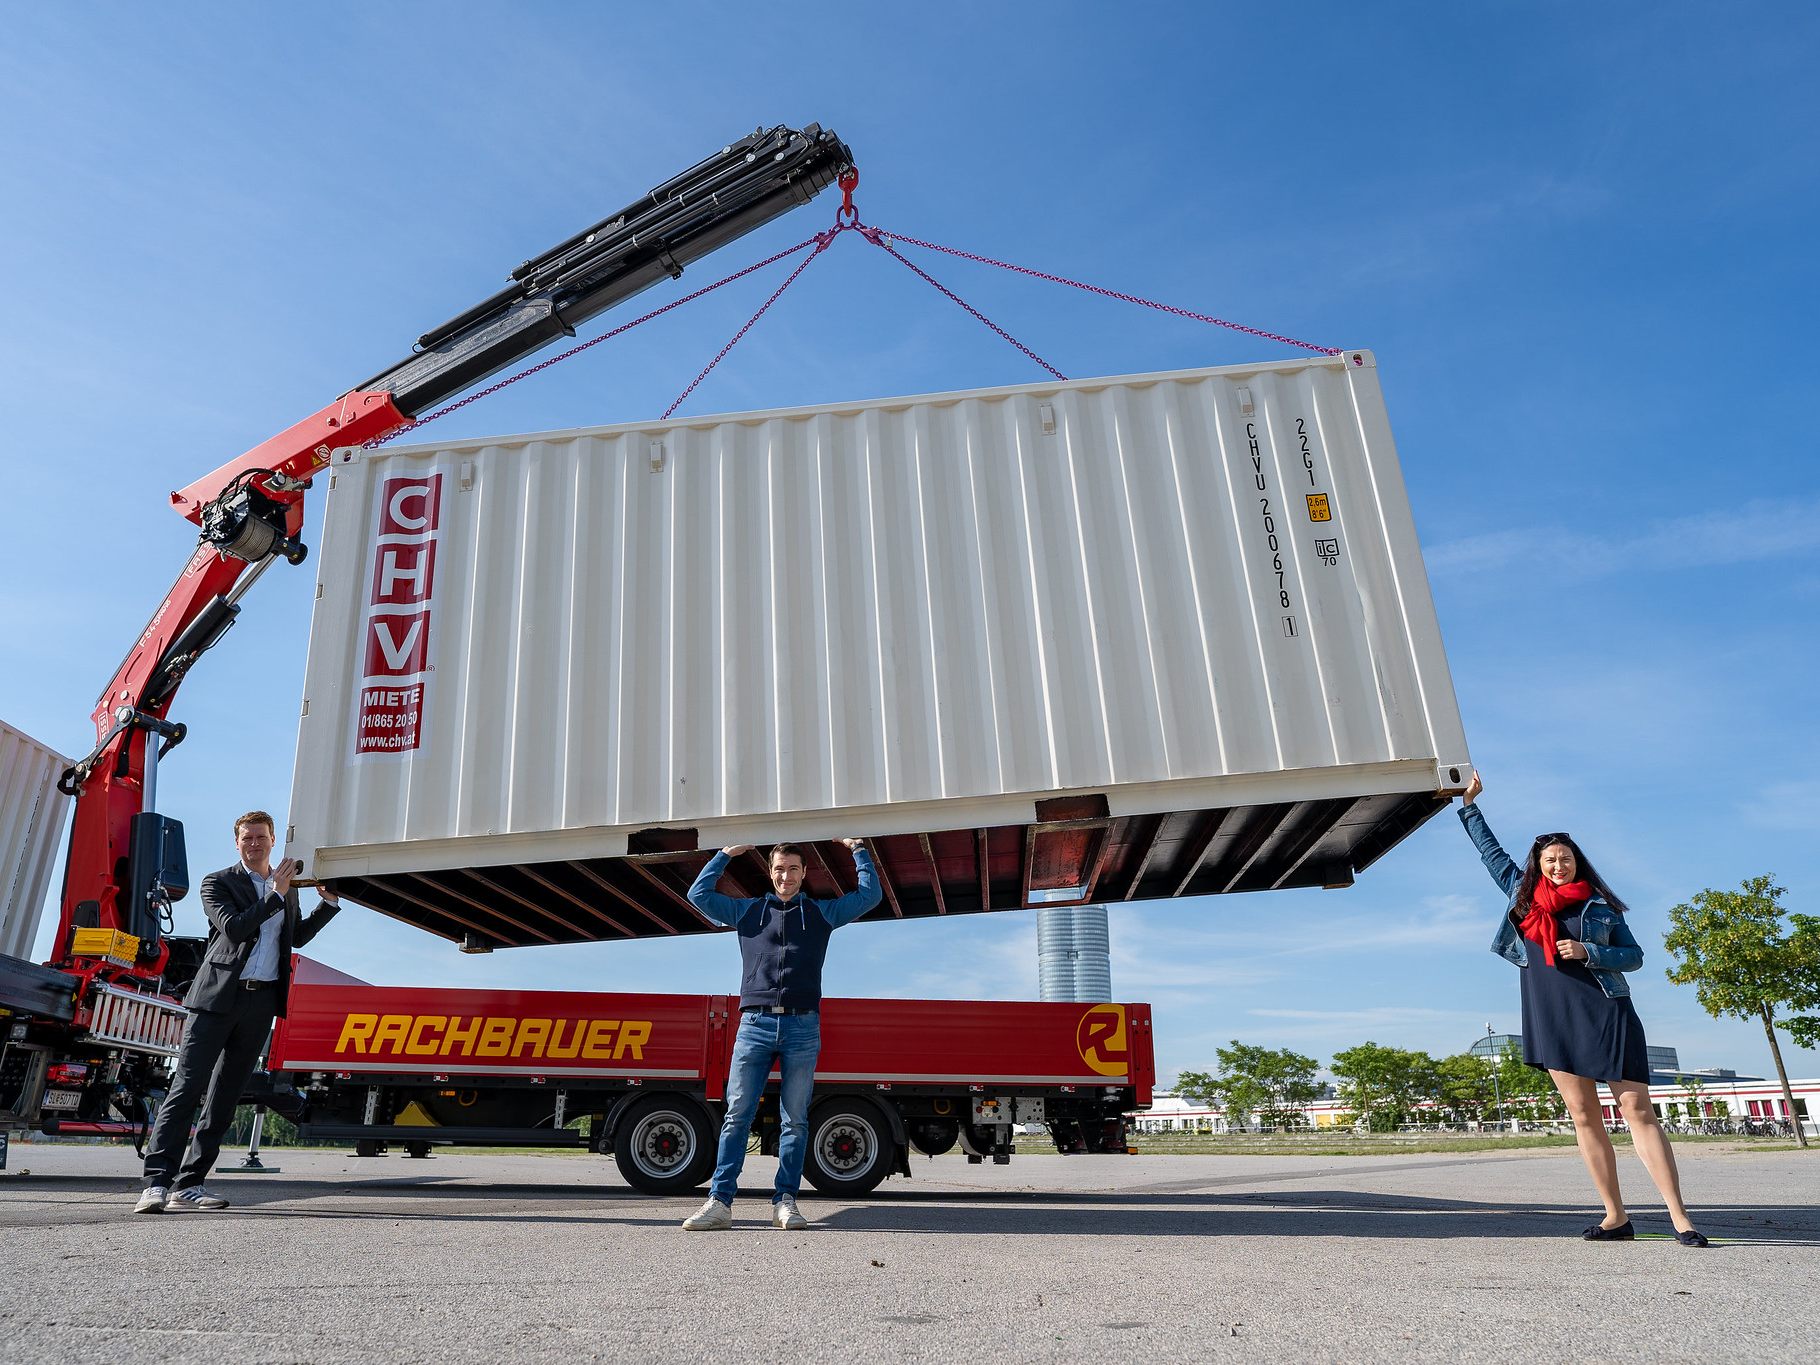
(785, 1215)
(197, 1197)
(712, 1216)
(152, 1199)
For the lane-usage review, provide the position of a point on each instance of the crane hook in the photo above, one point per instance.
(846, 215)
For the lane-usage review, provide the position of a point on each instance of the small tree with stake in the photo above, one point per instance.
(1741, 958)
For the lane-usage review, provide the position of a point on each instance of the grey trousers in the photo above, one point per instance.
(220, 1049)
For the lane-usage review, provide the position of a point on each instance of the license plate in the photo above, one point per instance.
(62, 1099)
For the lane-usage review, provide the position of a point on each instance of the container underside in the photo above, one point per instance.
(1073, 854)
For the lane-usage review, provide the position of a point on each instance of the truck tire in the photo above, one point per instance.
(664, 1144)
(851, 1148)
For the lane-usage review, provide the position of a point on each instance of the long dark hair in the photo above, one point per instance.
(1584, 871)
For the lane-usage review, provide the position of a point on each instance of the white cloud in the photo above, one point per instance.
(1758, 530)
(1786, 805)
(1388, 1016)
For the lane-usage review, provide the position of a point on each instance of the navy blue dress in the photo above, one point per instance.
(1570, 1024)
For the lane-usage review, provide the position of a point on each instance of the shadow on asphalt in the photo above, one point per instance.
(1183, 1213)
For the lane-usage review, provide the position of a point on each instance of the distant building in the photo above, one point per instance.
(1497, 1044)
(1741, 1099)
(1664, 1062)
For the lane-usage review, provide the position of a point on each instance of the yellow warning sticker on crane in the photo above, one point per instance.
(1318, 510)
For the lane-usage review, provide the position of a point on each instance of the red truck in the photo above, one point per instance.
(644, 1076)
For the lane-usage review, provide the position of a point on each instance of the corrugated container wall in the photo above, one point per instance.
(32, 812)
(1139, 636)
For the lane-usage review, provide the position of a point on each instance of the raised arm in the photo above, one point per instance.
(721, 909)
(863, 897)
(237, 926)
(312, 924)
(1504, 870)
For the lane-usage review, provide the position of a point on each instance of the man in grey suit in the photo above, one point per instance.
(254, 923)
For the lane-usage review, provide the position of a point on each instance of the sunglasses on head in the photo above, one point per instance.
(1544, 840)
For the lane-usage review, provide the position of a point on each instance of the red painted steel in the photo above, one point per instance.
(685, 1039)
(394, 1030)
(114, 791)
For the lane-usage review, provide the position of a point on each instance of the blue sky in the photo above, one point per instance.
(1578, 239)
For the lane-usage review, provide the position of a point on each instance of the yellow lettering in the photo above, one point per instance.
(633, 1035)
(459, 1040)
(557, 1047)
(356, 1031)
(391, 1031)
(415, 1044)
(533, 1034)
(599, 1042)
(495, 1038)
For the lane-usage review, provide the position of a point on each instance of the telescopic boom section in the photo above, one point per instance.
(120, 869)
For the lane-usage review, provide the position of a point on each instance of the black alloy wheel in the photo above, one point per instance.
(851, 1148)
(664, 1144)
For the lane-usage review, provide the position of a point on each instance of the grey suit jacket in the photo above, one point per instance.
(236, 914)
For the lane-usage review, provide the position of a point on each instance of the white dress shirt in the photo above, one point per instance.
(263, 964)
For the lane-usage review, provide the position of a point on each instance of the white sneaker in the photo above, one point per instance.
(152, 1199)
(785, 1215)
(712, 1216)
(197, 1197)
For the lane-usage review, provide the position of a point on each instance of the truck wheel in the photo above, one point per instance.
(420, 1150)
(664, 1144)
(850, 1147)
(368, 1147)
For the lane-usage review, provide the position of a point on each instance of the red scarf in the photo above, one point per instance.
(1542, 925)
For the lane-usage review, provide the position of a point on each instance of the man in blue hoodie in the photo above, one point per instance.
(783, 940)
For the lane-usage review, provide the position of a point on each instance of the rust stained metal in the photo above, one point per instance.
(884, 881)
(631, 903)
(491, 912)
(935, 874)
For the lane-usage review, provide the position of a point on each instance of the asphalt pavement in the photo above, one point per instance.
(504, 1258)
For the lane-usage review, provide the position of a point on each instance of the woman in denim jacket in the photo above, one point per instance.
(1566, 929)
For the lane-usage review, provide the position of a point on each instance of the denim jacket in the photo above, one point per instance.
(1610, 948)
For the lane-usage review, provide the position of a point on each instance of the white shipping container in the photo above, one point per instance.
(32, 813)
(1109, 638)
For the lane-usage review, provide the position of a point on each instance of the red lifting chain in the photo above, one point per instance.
(846, 219)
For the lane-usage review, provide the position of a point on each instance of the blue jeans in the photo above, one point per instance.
(794, 1040)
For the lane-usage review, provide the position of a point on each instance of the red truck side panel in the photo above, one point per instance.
(394, 1029)
(335, 1024)
(1001, 1041)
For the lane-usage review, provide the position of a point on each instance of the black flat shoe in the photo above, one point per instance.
(1624, 1232)
(1692, 1238)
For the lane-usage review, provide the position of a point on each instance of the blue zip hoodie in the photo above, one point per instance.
(783, 944)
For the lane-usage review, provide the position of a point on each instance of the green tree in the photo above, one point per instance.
(1744, 960)
(1383, 1085)
(1464, 1086)
(1273, 1083)
(1696, 1101)
(1528, 1092)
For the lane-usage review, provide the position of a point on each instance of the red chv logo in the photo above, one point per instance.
(410, 507)
(397, 646)
(403, 575)
(395, 635)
